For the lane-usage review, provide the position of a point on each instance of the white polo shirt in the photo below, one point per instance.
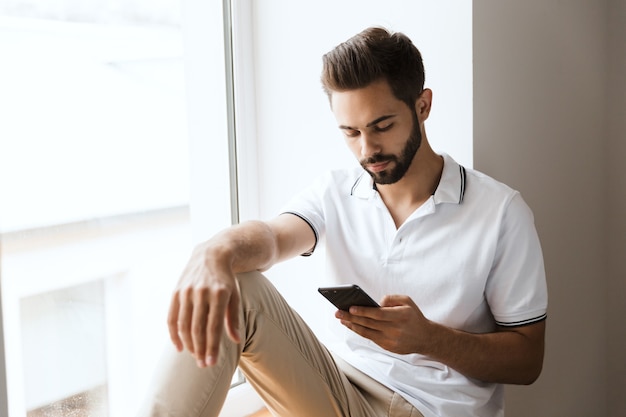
(469, 257)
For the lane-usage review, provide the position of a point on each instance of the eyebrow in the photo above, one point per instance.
(372, 123)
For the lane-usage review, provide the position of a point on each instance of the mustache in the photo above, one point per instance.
(375, 159)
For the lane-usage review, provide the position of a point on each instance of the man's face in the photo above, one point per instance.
(383, 132)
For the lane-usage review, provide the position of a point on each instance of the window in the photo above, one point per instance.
(96, 171)
(94, 189)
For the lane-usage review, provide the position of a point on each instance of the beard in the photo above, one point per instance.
(402, 162)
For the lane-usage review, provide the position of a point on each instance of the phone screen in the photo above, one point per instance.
(345, 296)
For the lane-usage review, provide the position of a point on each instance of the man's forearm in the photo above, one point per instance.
(245, 247)
(511, 356)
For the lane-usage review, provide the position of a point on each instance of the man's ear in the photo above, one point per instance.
(422, 104)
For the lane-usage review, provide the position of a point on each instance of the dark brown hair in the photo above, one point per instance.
(371, 55)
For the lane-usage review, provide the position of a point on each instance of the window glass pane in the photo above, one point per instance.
(87, 105)
(75, 314)
(94, 192)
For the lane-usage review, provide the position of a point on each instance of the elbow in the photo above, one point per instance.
(527, 376)
(530, 378)
(530, 353)
(531, 372)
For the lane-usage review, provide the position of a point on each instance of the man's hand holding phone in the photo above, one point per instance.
(397, 324)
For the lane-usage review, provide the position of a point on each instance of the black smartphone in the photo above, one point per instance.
(345, 296)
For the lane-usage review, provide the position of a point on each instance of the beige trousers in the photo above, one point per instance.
(282, 359)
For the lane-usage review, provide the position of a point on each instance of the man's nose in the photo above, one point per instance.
(369, 145)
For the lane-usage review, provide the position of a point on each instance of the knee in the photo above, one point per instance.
(252, 284)
(256, 290)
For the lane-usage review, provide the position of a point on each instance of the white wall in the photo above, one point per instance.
(295, 125)
(296, 138)
(548, 121)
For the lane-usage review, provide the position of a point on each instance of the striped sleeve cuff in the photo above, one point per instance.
(523, 322)
(310, 251)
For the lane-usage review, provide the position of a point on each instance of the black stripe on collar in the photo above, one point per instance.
(462, 192)
(358, 180)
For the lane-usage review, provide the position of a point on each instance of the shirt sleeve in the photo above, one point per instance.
(309, 206)
(516, 287)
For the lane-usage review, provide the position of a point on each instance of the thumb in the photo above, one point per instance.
(395, 300)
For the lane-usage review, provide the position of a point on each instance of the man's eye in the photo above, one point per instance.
(383, 128)
(351, 133)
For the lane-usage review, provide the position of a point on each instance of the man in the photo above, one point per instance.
(452, 255)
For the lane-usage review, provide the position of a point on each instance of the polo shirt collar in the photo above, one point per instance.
(451, 188)
(363, 186)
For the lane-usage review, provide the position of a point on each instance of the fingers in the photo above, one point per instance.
(396, 300)
(198, 327)
(172, 322)
(362, 318)
(185, 314)
(393, 326)
(370, 322)
(197, 317)
(215, 325)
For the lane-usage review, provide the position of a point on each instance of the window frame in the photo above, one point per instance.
(4, 403)
(226, 22)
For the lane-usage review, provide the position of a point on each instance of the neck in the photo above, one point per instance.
(417, 185)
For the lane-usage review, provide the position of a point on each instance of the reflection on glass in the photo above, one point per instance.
(87, 404)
